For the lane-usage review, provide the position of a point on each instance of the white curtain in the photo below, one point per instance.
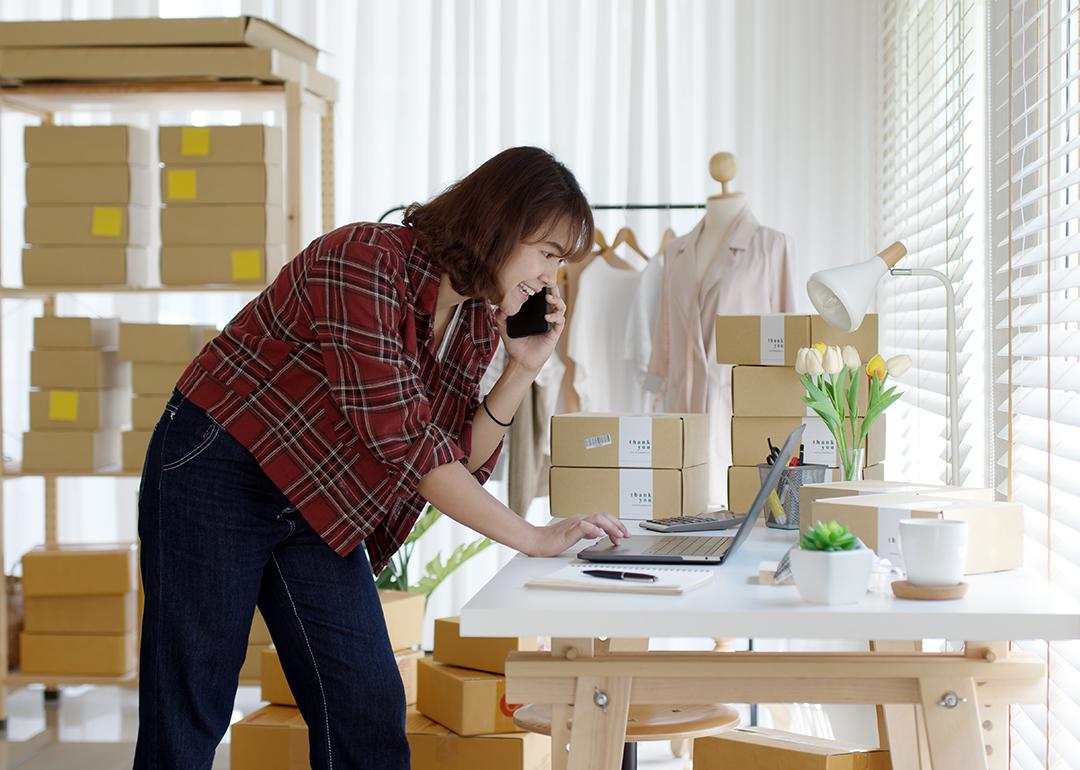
(633, 95)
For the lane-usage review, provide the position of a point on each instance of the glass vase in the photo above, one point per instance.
(851, 464)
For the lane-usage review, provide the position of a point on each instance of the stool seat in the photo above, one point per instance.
(647, 722)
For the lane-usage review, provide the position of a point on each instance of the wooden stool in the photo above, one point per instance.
(646, 723)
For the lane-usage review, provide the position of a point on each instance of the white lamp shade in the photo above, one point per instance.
(842, 294)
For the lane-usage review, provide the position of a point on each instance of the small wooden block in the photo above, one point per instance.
(905, 590)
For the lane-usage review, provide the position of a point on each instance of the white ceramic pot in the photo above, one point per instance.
(832, 577)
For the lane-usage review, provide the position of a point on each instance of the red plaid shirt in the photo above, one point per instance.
(329, 377)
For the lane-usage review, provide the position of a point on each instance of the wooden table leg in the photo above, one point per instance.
(994, 716)
(560, 736)
(953, 728)
(901, 729)
(601, 707)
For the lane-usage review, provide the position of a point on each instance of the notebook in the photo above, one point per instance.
(670, 580)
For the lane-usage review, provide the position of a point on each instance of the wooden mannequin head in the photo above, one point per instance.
(722, 169)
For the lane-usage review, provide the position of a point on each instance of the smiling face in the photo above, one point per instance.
(532, 266)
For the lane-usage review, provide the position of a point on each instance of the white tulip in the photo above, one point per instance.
(800, 361)
(813, 363)
(897, 365)
(851, 358)
(832, 362)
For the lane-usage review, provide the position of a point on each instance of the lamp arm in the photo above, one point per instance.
(950, 351)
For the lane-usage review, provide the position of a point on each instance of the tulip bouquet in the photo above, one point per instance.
(831, 378)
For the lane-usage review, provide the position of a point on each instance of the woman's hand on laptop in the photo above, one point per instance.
(562, 533)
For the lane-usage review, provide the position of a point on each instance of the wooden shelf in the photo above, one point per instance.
(16, 678)
(12, 472)
(36, 292)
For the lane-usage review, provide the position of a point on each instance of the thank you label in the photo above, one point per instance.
(819, 446)
(635, 442)
(635, 493)
(772, 340)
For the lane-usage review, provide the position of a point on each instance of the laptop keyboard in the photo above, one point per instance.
(690, 546)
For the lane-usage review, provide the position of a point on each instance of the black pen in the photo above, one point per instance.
(614, 574)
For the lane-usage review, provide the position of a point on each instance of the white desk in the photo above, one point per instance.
(1002, 606)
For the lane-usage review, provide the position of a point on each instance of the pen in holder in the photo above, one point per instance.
(782, 506)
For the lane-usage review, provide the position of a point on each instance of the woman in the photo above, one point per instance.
(323, 417)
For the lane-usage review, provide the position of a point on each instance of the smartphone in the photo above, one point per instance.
(530, 319)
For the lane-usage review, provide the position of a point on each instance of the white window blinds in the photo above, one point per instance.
(1035, 205)
(931, 178)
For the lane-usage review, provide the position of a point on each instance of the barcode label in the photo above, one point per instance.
(595, 442)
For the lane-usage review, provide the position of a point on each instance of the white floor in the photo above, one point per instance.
(94, 728)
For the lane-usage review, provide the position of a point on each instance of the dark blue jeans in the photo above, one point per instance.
(218, 538)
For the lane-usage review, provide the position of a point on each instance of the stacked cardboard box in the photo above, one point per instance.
(223, 221)
(87, 190)
(757, 747)
(631, 466)
(766, 395)
(80, 610)
(78, 397)
(158, 354)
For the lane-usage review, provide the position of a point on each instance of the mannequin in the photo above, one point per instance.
(720, 210)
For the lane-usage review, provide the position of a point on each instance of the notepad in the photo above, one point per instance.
(669, 580)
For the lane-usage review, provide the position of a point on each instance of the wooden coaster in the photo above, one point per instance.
(905, 590)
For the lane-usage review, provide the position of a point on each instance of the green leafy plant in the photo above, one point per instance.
(828, 537)
(395, 577)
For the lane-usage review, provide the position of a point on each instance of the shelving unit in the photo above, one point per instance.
(302, 91)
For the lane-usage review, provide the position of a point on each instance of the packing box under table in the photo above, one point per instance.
(272, 738)
(275, 687)
(434, 747)
(995, 529)
(629, 441)
(773, 340)
(468, 702)
(757, 748)
(479, 653)
(404, 615)
(629, 493)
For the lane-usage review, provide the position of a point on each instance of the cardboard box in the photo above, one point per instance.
(145, 63)
(629, 441)
(759, 747)
(230, 31)
(70, 451)
(88, 654)
(272, 738)
(811, 493)
(629, 493)
(225, 183)
(433, 747)
(114, 184)
(75, 369)
(468, 702)
(215, 265)
(750, 435)
(80, 614)
(776, 391)
(251, 670)
(103, 569)
(744, 482)
(995, 529)
(84, 225)
(134, 444)
(155, 379)
(229, 145)
(85, 410)
(161, 343)
(773, 340)
(259, 633)
(480, 653)
(86, 145)
(275, 688)
(221, 225)
(147, 410)
(404, 615)
(95, 266)
(73, 332)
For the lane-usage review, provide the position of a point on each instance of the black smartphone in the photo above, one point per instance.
(530, 319)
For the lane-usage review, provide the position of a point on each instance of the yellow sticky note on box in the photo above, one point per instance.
(63, 405)
(194, 141)
(107, 222)
(246, 265)
(181, 185)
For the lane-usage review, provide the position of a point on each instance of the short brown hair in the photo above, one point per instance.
(470, 228)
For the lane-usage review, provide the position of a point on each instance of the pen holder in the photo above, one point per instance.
(782, 506)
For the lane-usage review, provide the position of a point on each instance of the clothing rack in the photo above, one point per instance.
(603, 207)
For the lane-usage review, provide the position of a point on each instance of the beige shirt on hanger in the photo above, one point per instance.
(753, 271)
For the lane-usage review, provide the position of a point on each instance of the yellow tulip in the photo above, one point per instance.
(875, 367)
(820, 347)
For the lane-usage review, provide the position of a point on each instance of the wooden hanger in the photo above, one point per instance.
(667, 235)
(607, 251)
(626, 235)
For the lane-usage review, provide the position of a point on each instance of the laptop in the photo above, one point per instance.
(686, 549)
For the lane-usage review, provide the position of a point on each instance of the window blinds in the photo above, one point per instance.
(930, 133)
(1035, 307)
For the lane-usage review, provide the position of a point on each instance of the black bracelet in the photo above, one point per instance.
(493, 417)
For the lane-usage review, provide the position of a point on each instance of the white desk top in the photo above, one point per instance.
(1005, 605)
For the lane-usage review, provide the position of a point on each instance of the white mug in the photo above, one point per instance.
(934, 551)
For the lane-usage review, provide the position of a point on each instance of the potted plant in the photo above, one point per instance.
(831, 378)
(831, 566)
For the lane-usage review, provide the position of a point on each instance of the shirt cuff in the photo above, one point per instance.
(428, 452)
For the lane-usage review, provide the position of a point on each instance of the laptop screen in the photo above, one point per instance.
(768, 486)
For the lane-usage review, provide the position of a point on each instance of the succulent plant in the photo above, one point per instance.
(828, 537)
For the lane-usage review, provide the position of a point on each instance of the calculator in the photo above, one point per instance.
(710, 520)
